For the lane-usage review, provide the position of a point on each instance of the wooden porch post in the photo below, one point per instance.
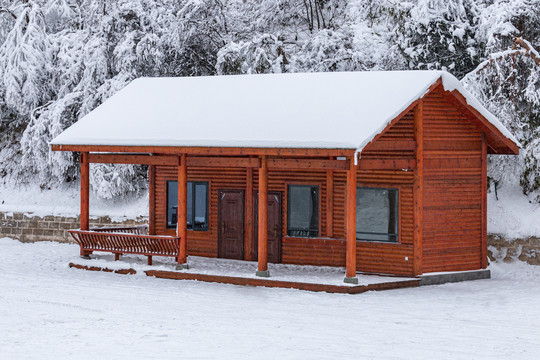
(263, 219)
(85, 191)
(181, 215)
(350, 275)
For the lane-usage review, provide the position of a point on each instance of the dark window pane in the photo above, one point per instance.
(377, 214)
(201, 201)
(197, 205)
(172, 202)
(189, 205)
(303, 214)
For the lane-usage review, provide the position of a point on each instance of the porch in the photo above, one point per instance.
(172, 238)
(239, 272)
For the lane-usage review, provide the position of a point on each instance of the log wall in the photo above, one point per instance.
(329, 248)
(452, 198)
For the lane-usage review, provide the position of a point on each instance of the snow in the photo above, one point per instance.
(311, 110)
(238, 268)
(49, 311)
(64, 200)
(513, 215)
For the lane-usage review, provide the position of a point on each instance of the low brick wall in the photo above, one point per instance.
(500, 249)
(30, 228)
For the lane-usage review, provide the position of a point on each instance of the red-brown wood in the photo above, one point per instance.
(299, 164)
(484, 202)
(181, 230)
(231, 224)
(329, 203)
(132, 159)
(351, 220)
(418, 186)
(128, 242)
(201, 150)
(452, 186)
(501, 142)
(248, 223)
(441, 230)
(275, 231)
(221, 162)
(85, 191)
(263, 216)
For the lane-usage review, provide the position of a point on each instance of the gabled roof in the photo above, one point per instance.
(343, 110)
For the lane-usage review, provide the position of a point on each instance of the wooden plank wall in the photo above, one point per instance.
(452, 202)
(394, 258)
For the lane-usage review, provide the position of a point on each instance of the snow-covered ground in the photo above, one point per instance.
(513, 215)
(49, 311)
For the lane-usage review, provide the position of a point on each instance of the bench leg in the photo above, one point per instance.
(85, 254)
(117, 256)
(149, 260)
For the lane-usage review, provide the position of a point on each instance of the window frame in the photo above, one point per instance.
(398, 216)
(311, 185)
(207, 213)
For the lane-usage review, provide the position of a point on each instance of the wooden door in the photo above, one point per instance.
(274, 226)
(231, 224)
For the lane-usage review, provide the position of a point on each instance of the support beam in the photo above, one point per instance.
(181, 218)
(263, 219)
(309, 164)
(210, 151)
(484, 203)
(418, 186)
(350, 223)
(329, 203)
(144, 159)
(248, 223)
(85, 191)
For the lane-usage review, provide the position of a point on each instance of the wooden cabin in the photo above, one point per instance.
(378, 172)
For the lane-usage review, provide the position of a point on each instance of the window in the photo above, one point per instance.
(197, 205)
(303, 212)
(377, 214)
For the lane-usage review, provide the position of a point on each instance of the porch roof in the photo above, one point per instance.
(311, 110)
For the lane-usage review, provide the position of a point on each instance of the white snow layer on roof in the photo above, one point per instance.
(343, 110)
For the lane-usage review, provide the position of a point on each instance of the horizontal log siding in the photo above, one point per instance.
(452, 198)
(204, 243)
(393, 258)
(371, 256)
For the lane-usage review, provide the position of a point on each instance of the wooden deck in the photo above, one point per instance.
(331, 283)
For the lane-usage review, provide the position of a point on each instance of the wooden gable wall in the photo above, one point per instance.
(453, 196)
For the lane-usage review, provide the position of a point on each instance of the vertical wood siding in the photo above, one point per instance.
(452, 199)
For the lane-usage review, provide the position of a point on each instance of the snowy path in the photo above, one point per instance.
(48, 311)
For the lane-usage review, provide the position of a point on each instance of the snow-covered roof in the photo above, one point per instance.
(343, 110)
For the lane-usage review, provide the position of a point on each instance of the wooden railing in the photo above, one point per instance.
(132, 240)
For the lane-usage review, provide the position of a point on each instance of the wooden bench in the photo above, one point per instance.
(119, 241)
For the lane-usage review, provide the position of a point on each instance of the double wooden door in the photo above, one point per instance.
(274, 226)
(231, 225)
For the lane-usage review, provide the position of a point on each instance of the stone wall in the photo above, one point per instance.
(500, 249)
(30, 228)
